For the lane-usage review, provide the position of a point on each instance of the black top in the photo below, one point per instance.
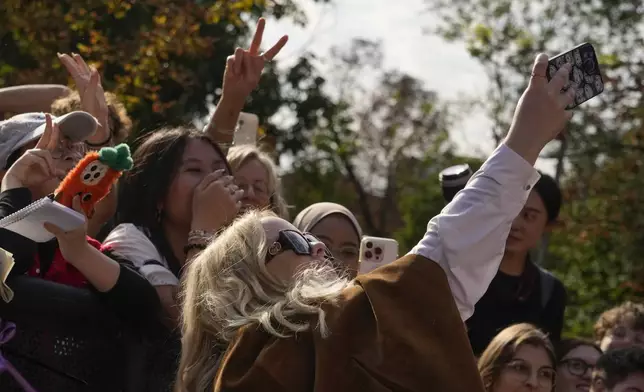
(516, 299)
(132, 298)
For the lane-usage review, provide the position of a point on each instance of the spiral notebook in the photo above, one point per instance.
(28, 222)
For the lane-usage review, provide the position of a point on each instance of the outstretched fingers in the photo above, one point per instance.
(257, 38)
(270, 54)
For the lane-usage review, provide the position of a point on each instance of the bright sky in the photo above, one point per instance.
(445, 68)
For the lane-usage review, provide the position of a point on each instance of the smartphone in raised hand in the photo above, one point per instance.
(376, 252)
(585, 75)
(246, 130)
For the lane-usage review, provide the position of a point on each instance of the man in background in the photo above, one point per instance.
(620, 370)
(521, 291)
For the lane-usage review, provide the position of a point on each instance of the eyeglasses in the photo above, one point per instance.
(576, 367)
(521, 372)
(260, 189)
(300, 243)
(67, 148)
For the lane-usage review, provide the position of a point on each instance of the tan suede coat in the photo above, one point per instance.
(398, 329)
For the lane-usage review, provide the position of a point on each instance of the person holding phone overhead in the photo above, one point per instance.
(264, 292)
(522, 291)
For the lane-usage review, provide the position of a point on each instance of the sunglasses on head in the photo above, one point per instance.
(300, 243)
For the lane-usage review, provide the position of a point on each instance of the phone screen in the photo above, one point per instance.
(585, 75)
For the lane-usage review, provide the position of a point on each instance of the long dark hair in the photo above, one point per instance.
(156, 162)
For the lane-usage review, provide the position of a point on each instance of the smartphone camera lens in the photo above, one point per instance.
(368, 254)
(378, 251)
(369, 245)
(589, 66)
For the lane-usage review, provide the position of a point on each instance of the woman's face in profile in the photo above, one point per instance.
(286, 263)
(341, 238)
(198, 160)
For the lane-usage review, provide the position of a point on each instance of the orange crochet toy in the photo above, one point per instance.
(93, 177)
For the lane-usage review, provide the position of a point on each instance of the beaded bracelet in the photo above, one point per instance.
(188, 248)
(201, 236)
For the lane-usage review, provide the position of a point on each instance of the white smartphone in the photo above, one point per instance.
(247, 128)
(376, 252)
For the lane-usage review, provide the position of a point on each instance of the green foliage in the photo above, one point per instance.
(162, 58)
(599, 253)
(371, 145)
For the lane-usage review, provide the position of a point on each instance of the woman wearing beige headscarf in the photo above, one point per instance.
(337, 227)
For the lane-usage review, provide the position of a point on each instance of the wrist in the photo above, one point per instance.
(198, 240)
(206, 227)
(9, 181)
(527, 149)
(80, 253)
(232, 102)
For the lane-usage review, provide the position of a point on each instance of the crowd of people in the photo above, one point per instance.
(195, 241)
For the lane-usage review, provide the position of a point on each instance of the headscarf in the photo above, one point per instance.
(313, 214)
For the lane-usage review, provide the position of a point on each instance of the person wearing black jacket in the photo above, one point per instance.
(521, 291)
(72, 258)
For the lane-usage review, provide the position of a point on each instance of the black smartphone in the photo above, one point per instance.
(585, 75)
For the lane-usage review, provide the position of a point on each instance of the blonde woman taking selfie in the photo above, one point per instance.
(264, 293)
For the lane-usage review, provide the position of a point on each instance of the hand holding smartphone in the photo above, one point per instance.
(585, 76)
(376, 252)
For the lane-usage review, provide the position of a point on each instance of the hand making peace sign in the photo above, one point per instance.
(244, 68)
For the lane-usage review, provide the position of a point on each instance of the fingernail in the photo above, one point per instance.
(230, 178)
(220, 171)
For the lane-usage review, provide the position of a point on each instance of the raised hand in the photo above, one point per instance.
(36, 166)
(92, 96)
(244, 68)
(215, 202)
(541, 112)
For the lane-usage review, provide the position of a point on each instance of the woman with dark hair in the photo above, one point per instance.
(576, 360)
(519, 358)
(179, 192)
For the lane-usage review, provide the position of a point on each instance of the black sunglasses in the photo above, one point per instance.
(300, 243)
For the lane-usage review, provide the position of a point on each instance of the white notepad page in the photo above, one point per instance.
(28, 222)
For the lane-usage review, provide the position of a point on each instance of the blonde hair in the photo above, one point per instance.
(238, 156)
(504, 346)
(228, 287)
